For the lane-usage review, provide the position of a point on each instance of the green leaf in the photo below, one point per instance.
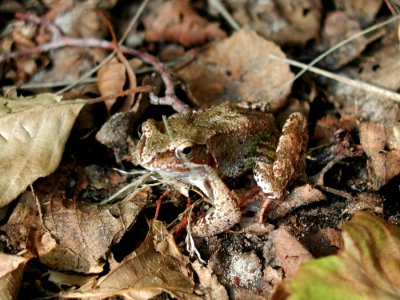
(367, 268)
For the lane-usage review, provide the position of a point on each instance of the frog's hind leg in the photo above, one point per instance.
(225, 212)
(290, 155)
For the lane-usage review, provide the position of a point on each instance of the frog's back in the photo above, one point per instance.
(234, 136)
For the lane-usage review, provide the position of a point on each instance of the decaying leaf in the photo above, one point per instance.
(228, 71)
(156, 266)
(111, 80)
(383, 150)
(289, 252)
(378, 67)
(176, 21)
(67, 235)
(282, 21)
(11, 271)
(368, 268)
(33, 133)
(209, 282)
(363, 10)
(339, 26)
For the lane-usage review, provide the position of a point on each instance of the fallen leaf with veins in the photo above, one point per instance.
(70, 235)
(33, 133)
(156, 266)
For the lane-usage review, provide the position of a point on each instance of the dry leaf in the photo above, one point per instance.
(289, 252)
(11, 271)
(339, 26)
(363, 10)
(383, 151)
(282, 21)
(111, 80)
(156, 266)
(33, 134)
(209, 281)
(176, 21)
(378, 67)
(228, 71)
(68, 235)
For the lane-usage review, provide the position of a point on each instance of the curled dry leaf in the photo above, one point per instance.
(383, 150)
(33, 133)
(228, 71)
(176, 21)
(111, 80)
(67, 235)
(156, 266)
(368, 267)
(300, 196)
(282, 21)
(11, 271)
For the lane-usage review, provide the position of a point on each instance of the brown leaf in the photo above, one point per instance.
(228, 71)
(282, 21)
(68, 235)
(383, 151)
(156, 266)
(290, 253)
(378, 67)
(339, 26)
(33, 134)
(176, 21)
(111, 80)
(364, 11)
(11, 271)
(209, 281)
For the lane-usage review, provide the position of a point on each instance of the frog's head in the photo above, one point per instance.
(169, 152)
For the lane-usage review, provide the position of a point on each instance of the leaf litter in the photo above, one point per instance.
(58, 223)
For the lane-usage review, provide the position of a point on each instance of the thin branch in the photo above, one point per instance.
(354, 83)
(334, 48)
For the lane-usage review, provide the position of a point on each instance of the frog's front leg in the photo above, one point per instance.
(225, 212)
(274, 178)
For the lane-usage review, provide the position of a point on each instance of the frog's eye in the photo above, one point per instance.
(184, 150)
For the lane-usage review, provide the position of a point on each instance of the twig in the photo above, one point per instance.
(111, 55)
(170, 97)
(354, 83)
(334, 48)
(216, 4)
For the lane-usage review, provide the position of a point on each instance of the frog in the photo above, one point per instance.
(207, 149)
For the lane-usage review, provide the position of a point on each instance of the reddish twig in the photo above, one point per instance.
(182, 224)
(159, 203)
(60, 41)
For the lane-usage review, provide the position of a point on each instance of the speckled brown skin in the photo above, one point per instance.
(224, 141)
